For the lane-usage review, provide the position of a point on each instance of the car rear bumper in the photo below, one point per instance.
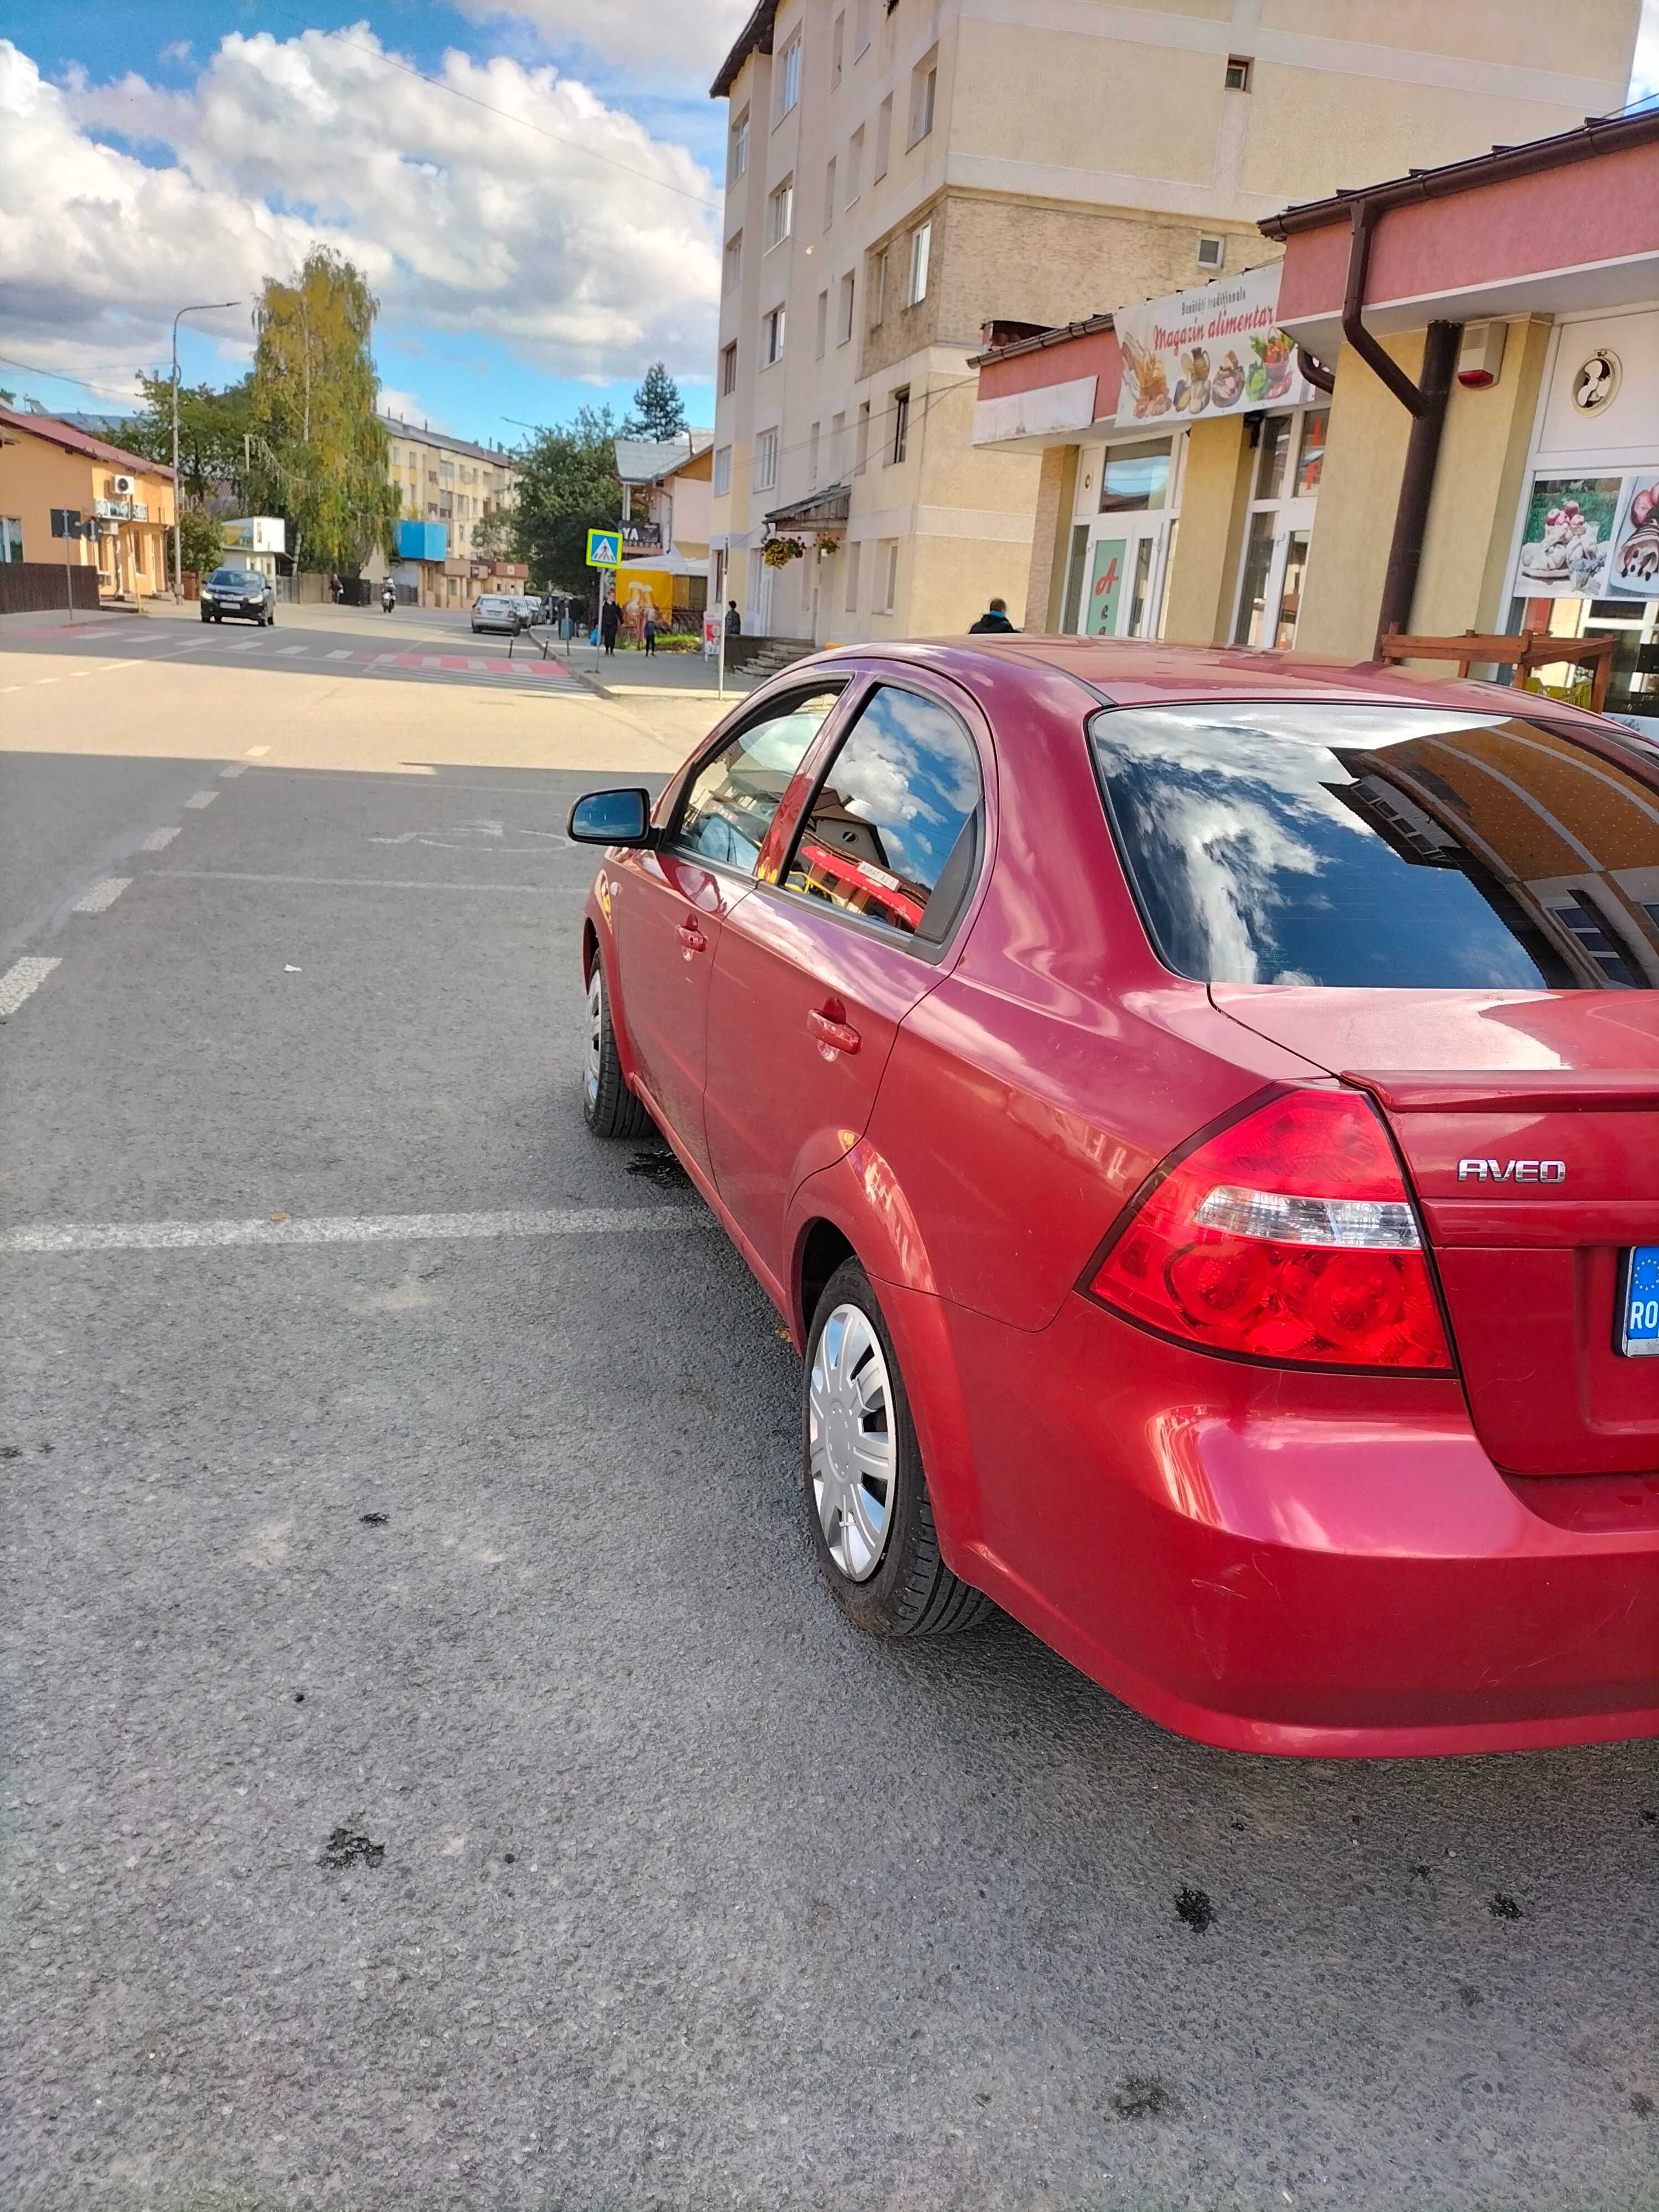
(1284, 1562)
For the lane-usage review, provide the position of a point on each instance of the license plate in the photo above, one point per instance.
(1639, 1311)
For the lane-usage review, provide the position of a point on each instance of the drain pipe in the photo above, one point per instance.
(1425, 403)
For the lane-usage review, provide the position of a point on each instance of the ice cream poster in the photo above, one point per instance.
(1217, 349)
(1633, 564)
(1568, 534)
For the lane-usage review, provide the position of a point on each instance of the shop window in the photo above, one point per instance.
(1135, 477)
(1310, 453)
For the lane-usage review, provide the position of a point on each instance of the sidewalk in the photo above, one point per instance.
(633, 675)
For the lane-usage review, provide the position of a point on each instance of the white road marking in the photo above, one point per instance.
(292, 652)
(19, 978)
(46, 679)
(369, 883)
(201, 798)
(159, 840)
(237, 768)
(256, 752)
(101, 896)
(244, 645)
(341, 652)
(349, 1228)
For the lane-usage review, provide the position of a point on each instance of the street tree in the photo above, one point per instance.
(568, 485)
(201, 540)
(317, 451)
(213, 428)
(657, 411)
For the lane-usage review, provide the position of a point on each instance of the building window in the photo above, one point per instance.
(861, 29)
(789, 67)
(1211, 253)
(877, 301)
(728, 369)
(883, 140)
(888, 574)
(1134, 478)
(852, 553)
(734, 261)
(11, 538)
(829, 196)
(821, 327)
(844, 319)
(855, 165)
(901, 425)
(922, 243)
(924, 84)
(837, 446)
(862, 439)
(783, 211)
(722, 470)
(1238, 73)
(772, 338)
(740, 146)
(812, 458)
(837, 48)
(766, 461)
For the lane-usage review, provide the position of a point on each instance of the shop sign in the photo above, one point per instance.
(1591, 538)
(1217, 349)
(1105, 585)
(640, 537)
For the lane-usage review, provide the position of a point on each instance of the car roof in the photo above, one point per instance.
(1122, 672)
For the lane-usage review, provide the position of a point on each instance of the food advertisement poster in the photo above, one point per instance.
(1567, 537)
(1633, 563)
(1217, 349)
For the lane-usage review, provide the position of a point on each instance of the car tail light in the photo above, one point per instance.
(1288, 1235)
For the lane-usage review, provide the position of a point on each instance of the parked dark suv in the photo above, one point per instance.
(241, 593)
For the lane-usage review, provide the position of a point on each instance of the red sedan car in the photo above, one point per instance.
(1199, 1114)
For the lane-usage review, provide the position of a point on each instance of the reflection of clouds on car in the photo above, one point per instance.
(907, 769)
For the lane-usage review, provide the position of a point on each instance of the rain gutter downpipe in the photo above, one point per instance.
(1425, 402)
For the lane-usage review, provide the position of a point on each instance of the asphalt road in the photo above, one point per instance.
(433, 1775)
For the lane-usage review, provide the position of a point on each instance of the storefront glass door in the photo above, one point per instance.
(1279, 531)
(1128, 542)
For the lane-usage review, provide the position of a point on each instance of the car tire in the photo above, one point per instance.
(609, 1106)
(869, 1513)
(206, 616)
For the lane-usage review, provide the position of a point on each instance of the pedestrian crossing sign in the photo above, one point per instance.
(604, 549)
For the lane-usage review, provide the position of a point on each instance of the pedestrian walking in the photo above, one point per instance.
(650, 632)
(610, 623)
(734, 619)
(993, 622)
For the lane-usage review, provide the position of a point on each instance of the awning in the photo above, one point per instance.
(819, 510)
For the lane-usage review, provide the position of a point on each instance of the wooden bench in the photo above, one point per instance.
(1531, 649)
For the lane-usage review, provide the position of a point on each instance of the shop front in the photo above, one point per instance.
(1182, 456)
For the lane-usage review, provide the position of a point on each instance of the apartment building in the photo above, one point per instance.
(453, 484)
(906, 183)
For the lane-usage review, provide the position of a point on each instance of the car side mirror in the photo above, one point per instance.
(612, 818)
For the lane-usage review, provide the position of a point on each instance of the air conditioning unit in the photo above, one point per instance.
(121, 487)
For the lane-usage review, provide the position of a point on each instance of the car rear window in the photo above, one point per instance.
(1385, 846)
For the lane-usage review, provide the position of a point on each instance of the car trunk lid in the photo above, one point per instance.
(1529, 1125)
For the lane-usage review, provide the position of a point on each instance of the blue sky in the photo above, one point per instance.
(540, 224)
(535, 244)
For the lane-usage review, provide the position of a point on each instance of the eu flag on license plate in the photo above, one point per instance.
(1641, 1314)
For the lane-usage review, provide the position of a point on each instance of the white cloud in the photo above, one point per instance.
(462, 220)
(409, 409)
(682, 55)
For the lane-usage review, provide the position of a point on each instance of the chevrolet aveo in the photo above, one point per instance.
(1199, 1115)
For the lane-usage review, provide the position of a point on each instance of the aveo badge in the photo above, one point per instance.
(1511, 1170)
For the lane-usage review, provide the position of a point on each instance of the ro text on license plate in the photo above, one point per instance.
(1639, 1310)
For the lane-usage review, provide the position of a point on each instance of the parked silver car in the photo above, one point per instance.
(494, 610)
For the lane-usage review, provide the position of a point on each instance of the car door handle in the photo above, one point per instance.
(835, 1034)
(692, 938)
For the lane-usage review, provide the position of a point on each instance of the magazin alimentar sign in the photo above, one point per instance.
(1217, 349)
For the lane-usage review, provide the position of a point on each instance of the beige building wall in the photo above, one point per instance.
(1215, 489)
(1077, 153)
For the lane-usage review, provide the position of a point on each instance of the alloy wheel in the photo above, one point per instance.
(851, 1446)
(595, 1035)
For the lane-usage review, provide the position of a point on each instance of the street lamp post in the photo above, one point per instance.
(202, 307)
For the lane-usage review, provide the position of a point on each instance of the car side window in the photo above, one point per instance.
(729, 805)
(892, 832)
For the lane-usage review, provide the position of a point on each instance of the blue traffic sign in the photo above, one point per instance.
(604, 549)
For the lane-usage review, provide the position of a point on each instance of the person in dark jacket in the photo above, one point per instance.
(993, 622)
(734, 619)
(610, 623)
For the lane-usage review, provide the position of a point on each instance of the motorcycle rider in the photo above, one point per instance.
(388, 596)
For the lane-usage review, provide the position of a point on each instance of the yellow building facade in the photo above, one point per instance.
(49, 469)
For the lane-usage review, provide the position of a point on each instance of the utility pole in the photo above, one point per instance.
(202, 307)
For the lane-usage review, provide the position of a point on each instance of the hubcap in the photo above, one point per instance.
(595, 1032)
(851, 1448)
